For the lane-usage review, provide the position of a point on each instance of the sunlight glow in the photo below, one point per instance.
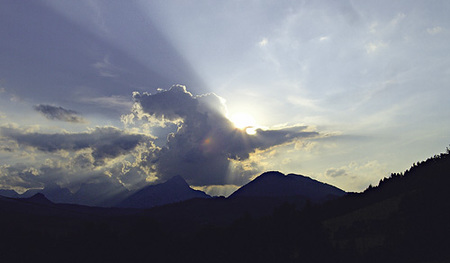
(250, 130)
(244, 121)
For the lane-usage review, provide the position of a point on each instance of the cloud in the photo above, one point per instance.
(95, 166)
(218, 190)
(332, 172)
(105, 68)
(59, 113)
(355, 176)
(172, 105)
(121, 103)
(435, 30)
(205, 141)
(373, 47)
(195, 140)
(19, 176)
(263, 42)
(105, 142)
(63, 182)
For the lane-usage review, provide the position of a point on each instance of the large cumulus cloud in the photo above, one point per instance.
(171, 132)
(205, 141)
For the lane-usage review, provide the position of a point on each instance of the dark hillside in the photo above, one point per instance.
(276, 184)
(404, 219)
(172, 191)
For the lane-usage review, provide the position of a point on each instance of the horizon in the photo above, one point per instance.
(123, 95)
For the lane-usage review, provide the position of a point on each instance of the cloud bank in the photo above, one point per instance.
(106, 142)
(195, 140)
(97, 166)
(205, 141)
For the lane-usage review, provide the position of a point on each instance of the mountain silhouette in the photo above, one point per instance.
(172, 191)
(38, 198)
(9, 193)
(403, 219)
(257, 199)
(276, 184)
(52, 192)
(98, 194)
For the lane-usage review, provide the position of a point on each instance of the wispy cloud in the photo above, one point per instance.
(373, 47)
(332, 172)
(120, 103)
(434, 30)
(105, 68)
(324, 38)
(263, 42)
(59, 113)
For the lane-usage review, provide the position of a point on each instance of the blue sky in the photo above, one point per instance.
(343, 91)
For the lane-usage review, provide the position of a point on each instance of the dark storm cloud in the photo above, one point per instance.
(105, 142)
(59, 113)
(205, 140)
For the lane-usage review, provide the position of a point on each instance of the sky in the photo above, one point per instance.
(124, 94)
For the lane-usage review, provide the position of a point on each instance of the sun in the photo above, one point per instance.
(244, 121)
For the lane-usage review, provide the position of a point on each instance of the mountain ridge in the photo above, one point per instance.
(38, 198)
(172, 191)
(274, 183)
(403, 219)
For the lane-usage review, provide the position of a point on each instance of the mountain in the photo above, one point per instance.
(9, 193)
(259, 198)
(98, 194)
(276, 184)
(53, 192)
(403, 219)
(172, 191)
(101, 194)
(38, 199)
